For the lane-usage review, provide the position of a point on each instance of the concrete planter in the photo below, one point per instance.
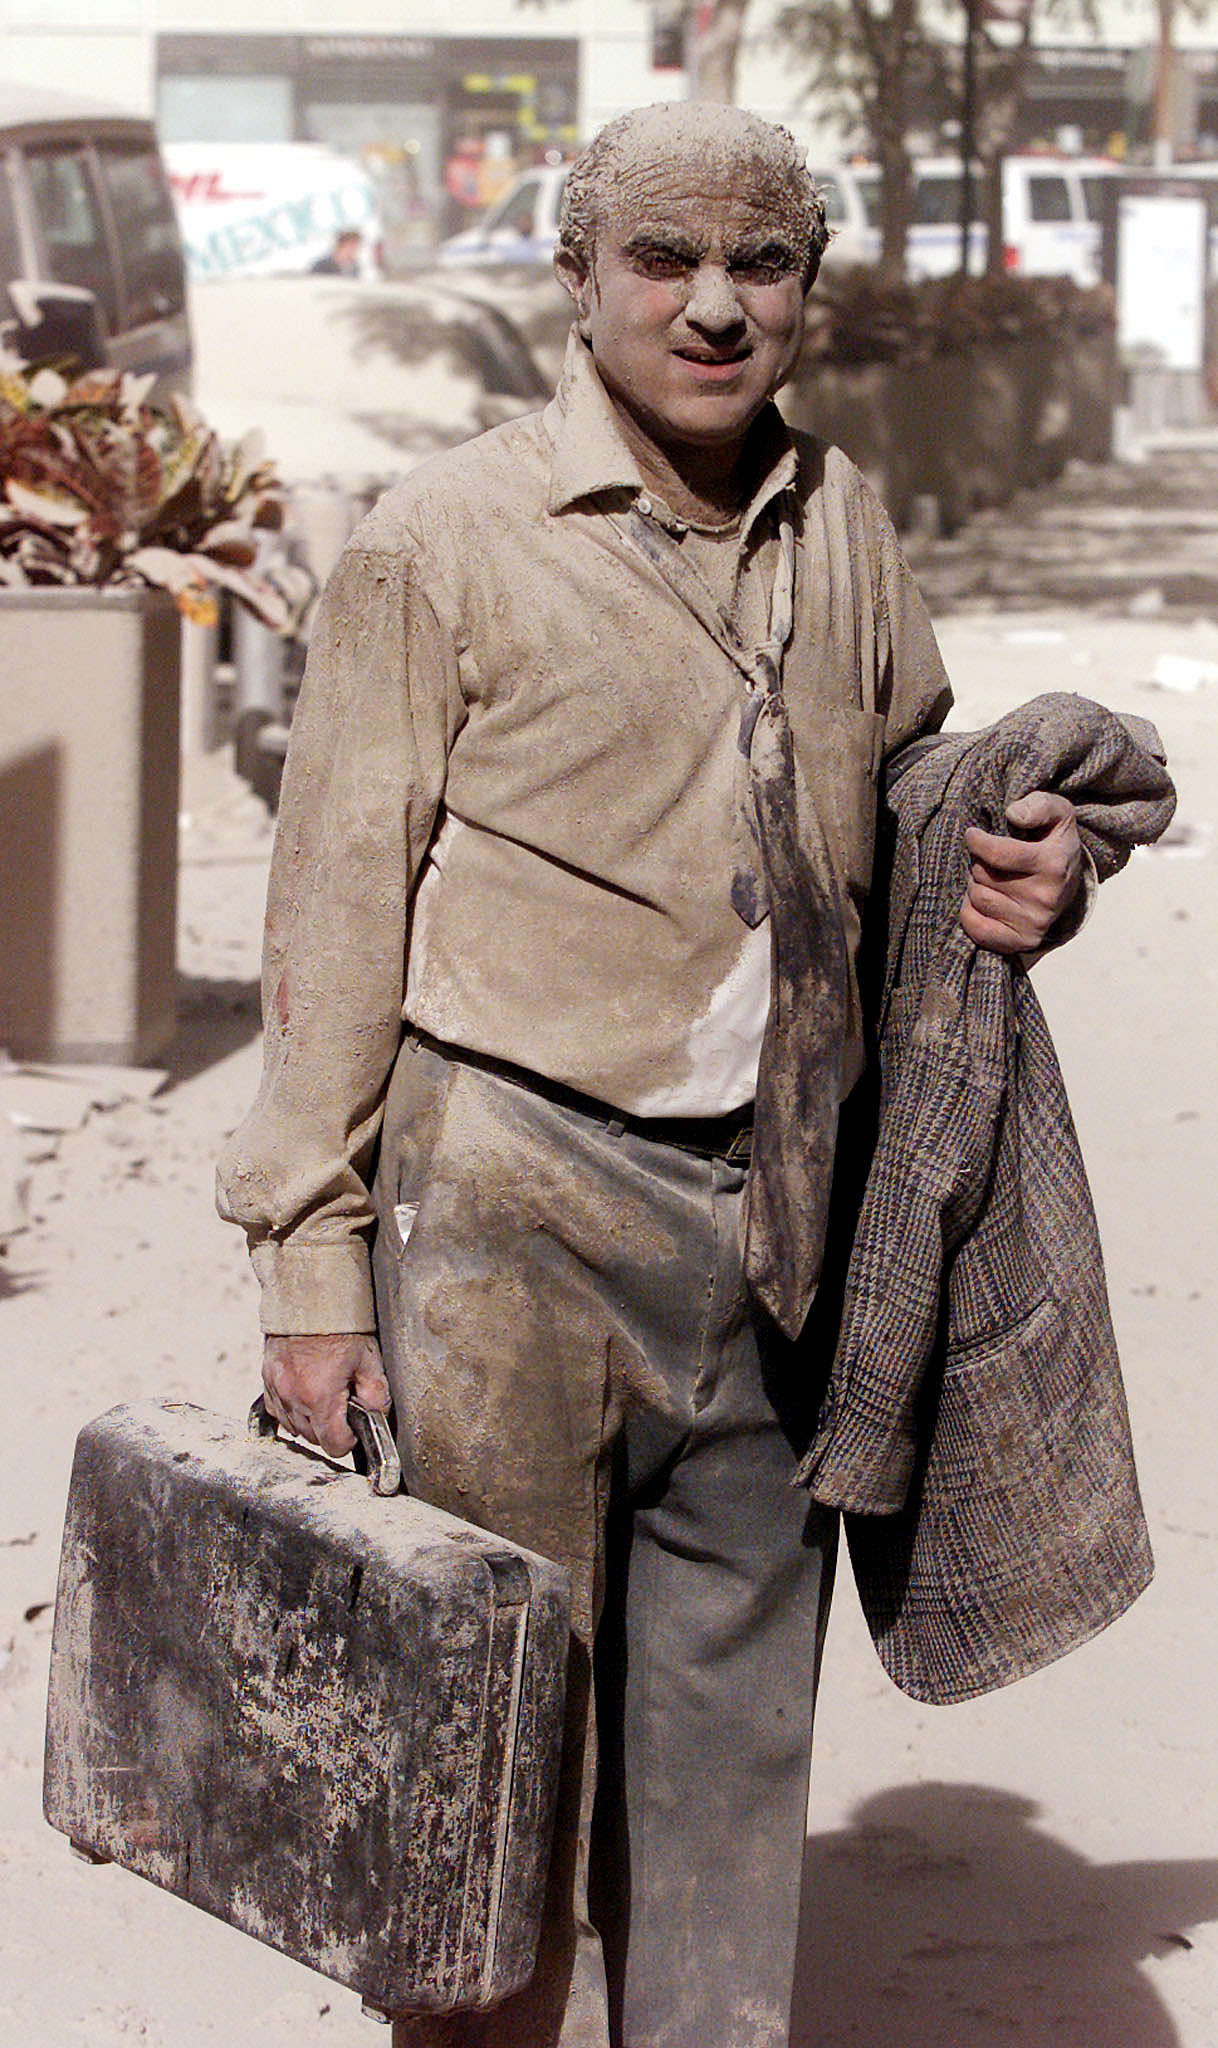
(859, 407)
(89, 687)
(972, 430)
(966, 428)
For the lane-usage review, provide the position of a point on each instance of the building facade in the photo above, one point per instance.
(444, 102)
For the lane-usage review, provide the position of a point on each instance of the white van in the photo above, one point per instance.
(853, 233)
(90, 254)
(1052, 214)
(270, 209)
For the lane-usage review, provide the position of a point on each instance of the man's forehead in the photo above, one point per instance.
(694, 197)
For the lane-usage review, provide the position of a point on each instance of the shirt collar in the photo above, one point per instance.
(590, 455)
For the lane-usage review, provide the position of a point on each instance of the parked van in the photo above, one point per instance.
(91, 257)
(1052, 215)
(270, 209)
(853, 235)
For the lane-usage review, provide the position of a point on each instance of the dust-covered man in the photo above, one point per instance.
(562, 1002)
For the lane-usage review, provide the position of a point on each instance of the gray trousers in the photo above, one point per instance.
(575, 1364)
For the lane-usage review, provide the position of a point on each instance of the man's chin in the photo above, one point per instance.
(711, 422)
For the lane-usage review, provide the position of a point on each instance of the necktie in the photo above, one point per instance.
(799, 1077)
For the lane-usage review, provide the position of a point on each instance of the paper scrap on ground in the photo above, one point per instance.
(1183, 672)
(55, 1099)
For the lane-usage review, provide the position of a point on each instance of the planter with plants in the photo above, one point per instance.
(116, 519)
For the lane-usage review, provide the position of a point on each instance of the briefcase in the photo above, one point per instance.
(329, 1717)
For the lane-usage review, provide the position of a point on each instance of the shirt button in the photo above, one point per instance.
(644, 505)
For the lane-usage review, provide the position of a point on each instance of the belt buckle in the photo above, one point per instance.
(740, 1151)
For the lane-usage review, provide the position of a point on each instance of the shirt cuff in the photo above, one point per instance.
(314, 1290)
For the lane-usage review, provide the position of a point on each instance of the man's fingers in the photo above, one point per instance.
(1003, 855)
(1038, 816)
(1019, 886)
(1040, 811)
(995, 934)
(370, 1385)
(308, 1380)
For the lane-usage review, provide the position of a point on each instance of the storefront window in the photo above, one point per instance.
(205, 108)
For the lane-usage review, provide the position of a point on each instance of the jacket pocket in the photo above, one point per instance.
(1001, 1350)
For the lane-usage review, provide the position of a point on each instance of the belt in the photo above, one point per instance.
(728, 1137)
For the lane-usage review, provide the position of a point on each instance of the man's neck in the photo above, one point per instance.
(707, 485)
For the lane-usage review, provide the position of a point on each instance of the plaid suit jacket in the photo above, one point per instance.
(975, 1426)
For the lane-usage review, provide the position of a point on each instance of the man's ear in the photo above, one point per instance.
(575, 279)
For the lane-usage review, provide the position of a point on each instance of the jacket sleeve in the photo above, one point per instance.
(378, 712)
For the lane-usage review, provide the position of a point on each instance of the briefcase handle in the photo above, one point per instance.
(375, 1451)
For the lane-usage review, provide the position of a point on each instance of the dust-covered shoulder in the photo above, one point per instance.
(826, 472)
(453, 503)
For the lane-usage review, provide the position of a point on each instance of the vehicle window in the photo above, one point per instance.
(867, 185)
(147, 232)
(831, 192)
(936, 200)
(515, 216)
(1048, 198)
(1093, 194)
(73, 236)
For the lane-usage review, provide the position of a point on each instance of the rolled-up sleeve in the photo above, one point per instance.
(378, 712)
(913, 690)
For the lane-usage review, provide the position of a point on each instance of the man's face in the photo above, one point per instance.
(694, 308)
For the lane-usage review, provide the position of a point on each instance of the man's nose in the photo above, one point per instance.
(713, 303)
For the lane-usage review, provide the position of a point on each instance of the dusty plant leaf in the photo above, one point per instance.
(54, 508)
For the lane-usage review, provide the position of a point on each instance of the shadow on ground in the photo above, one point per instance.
(945, 1917)
(215, 1018)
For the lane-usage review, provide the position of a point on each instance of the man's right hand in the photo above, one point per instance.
(308, 1381)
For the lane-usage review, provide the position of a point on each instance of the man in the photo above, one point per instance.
(583, 786)
(343, 259)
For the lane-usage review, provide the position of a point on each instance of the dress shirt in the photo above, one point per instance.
(512, 766)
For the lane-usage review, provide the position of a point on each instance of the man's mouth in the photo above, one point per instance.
(714, 369)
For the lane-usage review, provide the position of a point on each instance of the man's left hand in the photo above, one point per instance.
(1018, 887)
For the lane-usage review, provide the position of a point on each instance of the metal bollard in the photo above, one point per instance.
(258, 697)
(322, 520)
(200, 644)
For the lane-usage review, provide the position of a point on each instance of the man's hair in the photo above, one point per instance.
(631, 144)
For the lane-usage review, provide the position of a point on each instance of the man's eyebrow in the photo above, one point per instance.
(775, 248)
(671, 241)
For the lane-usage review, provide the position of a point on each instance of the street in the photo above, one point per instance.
(1039, 1867)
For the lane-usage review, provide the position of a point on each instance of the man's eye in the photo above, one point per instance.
(770, 267)
(661, 263)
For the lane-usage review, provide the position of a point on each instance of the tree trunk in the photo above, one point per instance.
(893, 158)
(890, 56)
(1164, 107)
(716, 31)
(991, 214)
(1004, 76)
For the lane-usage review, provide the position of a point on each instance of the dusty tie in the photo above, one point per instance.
(782, 867)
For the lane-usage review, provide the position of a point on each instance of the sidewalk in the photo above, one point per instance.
(1138, 538)
(1038, 1867)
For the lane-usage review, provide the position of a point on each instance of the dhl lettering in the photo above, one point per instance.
(208, 188)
